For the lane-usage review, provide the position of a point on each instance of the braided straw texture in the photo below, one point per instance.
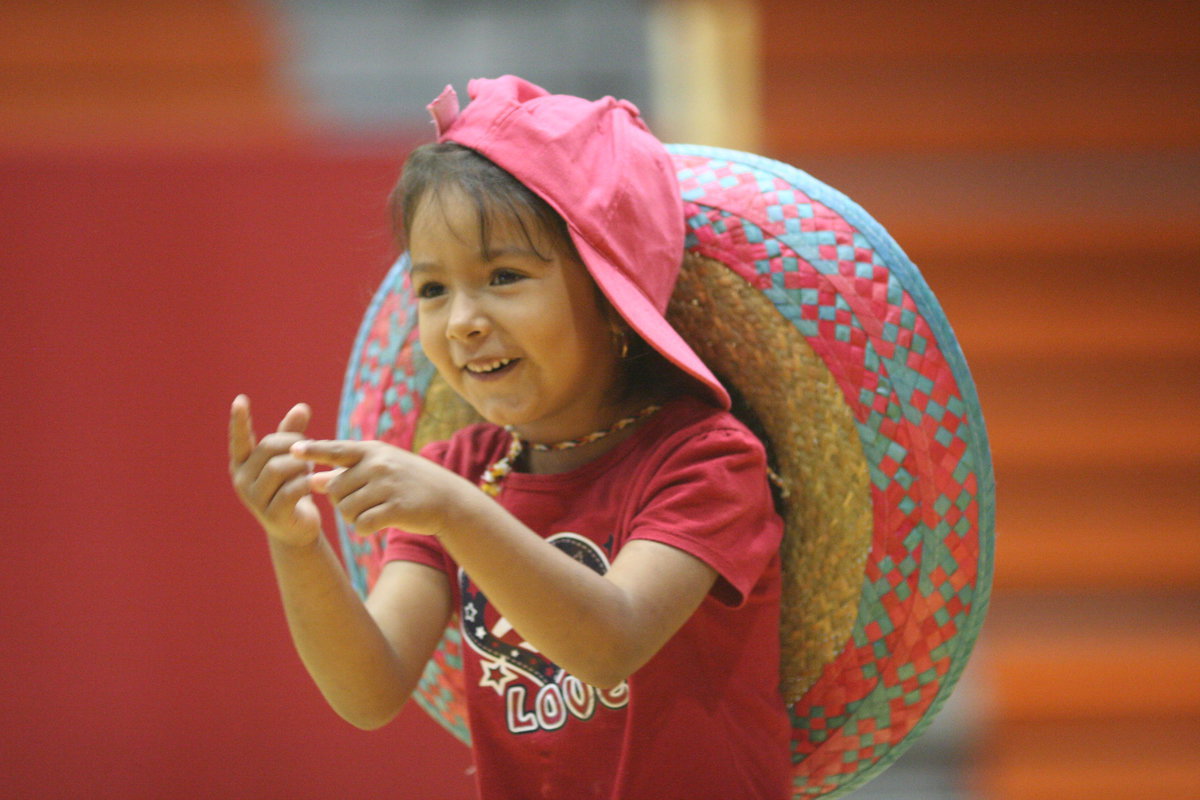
(847, 366)
(814, 446)
(445, 414)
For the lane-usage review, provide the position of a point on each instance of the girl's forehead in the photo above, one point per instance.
(489, 225)
(442, 211)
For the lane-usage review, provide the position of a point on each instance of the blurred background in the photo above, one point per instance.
(192, 205)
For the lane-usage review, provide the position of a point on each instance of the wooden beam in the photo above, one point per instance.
(705, 59)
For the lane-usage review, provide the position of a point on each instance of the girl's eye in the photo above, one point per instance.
(502, 277)
(430, 290)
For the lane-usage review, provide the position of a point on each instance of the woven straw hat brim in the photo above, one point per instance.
(841, 359)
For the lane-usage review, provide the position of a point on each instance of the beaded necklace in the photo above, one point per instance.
(495, 474)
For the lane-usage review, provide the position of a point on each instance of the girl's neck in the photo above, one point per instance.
(573, 456)
(546, 462)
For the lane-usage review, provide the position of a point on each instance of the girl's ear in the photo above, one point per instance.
(618, 329)
(620, 337)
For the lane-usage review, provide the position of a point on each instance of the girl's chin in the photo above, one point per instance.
(533, 418)
(502, 414)
(529, 426)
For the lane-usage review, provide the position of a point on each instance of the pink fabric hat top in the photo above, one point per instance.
(598, 166)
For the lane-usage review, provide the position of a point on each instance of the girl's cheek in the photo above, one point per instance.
(431, 343)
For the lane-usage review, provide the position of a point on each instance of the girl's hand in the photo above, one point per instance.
(379, 486)
(268, 480)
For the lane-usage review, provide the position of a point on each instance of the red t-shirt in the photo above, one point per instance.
(704, 717)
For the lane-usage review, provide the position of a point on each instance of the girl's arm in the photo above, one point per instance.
(600, 628)
(366, 660)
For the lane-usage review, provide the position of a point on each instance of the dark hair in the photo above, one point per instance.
(433, 168)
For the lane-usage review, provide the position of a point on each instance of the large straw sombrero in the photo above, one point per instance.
(842, 359)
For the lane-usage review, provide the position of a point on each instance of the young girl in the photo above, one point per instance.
(607, 538)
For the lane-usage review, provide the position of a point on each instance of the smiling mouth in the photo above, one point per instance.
(490, 367)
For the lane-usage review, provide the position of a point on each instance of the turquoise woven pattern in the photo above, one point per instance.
(923, 589)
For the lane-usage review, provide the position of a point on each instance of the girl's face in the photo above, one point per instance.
(522, 338)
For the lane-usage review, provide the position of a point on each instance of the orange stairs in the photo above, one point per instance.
(132, 75)
(1041, 164)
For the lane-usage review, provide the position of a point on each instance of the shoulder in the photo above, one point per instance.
(699, 450)
(690, 428)
(703, 489)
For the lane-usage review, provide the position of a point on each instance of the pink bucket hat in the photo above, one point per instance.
(598, 166)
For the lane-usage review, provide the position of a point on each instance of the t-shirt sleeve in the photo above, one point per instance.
(404, 546)
(709, 497)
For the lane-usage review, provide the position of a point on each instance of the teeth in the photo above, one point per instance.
(489, 366)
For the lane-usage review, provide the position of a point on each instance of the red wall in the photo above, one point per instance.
(144, 650)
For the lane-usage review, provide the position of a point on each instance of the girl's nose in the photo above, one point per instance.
(467, 319)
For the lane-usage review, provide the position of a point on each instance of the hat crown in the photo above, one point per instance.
(595, 162)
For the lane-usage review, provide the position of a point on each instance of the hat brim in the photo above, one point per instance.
(648, 321)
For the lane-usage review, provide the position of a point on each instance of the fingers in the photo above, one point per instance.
(296, 419)
(263, 485)
(348, 489)
(319, 481)
(370, 520)
(356, 497)
(271, 482)
(289, 492)
(260, 467)
(364, 509)
(241, 427)
(333, 453)
(241, 431)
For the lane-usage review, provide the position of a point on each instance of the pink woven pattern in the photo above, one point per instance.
(922, 569)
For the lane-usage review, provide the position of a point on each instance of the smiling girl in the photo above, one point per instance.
(617, 579)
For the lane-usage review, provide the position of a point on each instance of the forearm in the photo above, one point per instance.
(341, 645)
(598, 628)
